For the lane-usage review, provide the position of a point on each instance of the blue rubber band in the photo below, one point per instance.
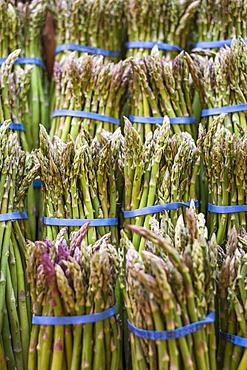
(37, 183)
(159, 120)
(15, 126)
(11, 216)
(239, 341)
(79, 222)
(88, 49)
(156, 209)
(83, 114)
(36, 61)
(150, 45)
(226, 109)
(74, 320)
(213, 44)
(227, 209)
(172, 334)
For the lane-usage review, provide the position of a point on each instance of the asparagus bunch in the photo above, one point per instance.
(232, 292)
(158, 88)
(224, 157)
(171, 284)
(221, 20)
(160, 22)
(222, 82)
(162, 169)
(17, 170)
(21, 28)
(97, 24)
(88, 84)
(73, 279)
(80, 180)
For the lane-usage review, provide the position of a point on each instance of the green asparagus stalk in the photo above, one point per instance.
(232, 293)
(18, 169)
(176, 276)
(78, 279)
(156, 172)
(223, 155)
(159, 22)
(80, 181)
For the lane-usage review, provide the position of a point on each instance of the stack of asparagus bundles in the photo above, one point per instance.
(157, 171)
(224, 157)
(91, 26)
(21, 28)
(80, 182)
(165, 23)
(158, 88)
(17, 170)
(171, 284)
(89, 95)
(74, 280)
(232, 351)
(219, 21)
(222, 85)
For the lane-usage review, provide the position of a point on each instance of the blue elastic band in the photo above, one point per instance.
(150, 45)
(37, 183)
(74, 320)
(36, 61)
(172, 334)
(227, 209)
(15, 126)
(213, 44)
(226, 109)
(239, 341)
(159, 120)
(88, 49)
(11, 216)
(83, 114)
(79, 222)
(156, 209)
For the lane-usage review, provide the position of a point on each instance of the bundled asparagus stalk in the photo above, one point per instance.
(158, 88)
(224, 157)
(17, 170)
(220, 21)
(21, 28)
(169, 285)
(232, 291)
(14, 87)
(157, 171)
(94, 24)
(80, 181)
(222, 83)
(73, 280)
(87, 84)
(158, 22)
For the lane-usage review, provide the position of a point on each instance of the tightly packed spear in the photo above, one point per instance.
(171, 284)
(224, 157)
(220, 20)
(80, 180)
(159, 170)
(95, 24)
(158, 88)
(232, 292)
(17, 170)
(222, 82)
(88, 84)
(159, 22)
(21, 28)
(72, 280)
